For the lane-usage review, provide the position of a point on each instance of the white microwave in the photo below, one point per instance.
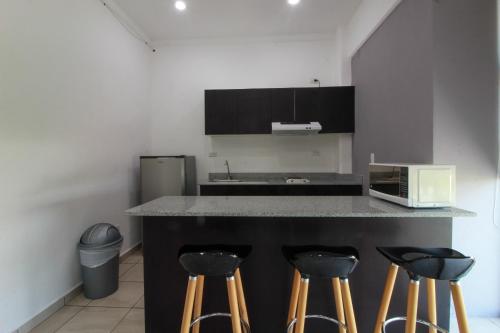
(414, 185)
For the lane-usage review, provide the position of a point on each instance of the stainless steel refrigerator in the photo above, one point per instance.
(167, 175)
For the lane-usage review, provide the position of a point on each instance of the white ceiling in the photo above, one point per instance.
(237, 18)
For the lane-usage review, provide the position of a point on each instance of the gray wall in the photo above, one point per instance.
(431, 71)
(392, 73)
(466, 134)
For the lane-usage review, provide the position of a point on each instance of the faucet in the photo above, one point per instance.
(229, 177)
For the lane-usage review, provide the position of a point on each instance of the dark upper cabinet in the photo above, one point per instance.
(307, 107)
(251, 111)
(237, 111)
(337, 109)
(219, 112)
(282, 105)
(332, 107)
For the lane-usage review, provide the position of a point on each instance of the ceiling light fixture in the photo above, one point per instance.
(293, 2)
(180, 5)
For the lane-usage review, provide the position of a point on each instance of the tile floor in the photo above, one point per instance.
(123, 312)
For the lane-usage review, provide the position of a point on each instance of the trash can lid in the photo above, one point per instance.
(100, 234)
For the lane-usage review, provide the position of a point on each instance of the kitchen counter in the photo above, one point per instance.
(279, 179)
(268, 223)
(286, 206)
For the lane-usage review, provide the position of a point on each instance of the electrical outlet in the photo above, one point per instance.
(372, 157)
(212, 154)
(316, 81)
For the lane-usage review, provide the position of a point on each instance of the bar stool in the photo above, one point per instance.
(202, 261)
(432, 264)
(335, 263)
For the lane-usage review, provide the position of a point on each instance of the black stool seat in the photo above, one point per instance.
(432, 263)
(322, 261)
(213, 260)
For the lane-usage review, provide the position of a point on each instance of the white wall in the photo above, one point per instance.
(366, 19)
(74, 116)
(369, 15)
(183, 70)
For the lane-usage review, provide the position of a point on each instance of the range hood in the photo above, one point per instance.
(296, 128)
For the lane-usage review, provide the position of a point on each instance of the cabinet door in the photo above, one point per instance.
(282, 105)
(253, 111)
(336, 106)
(220, 112)
(307, 105)
(332, 107)
(281, 190)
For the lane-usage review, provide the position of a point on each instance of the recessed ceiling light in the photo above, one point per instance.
(293, 2)
(180, 5)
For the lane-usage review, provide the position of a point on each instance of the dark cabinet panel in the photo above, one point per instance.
(238, 111)
(282, 105)
(253, 111)
(307, 106)
(219, 112)
(281, 190)
(337, 109)
(332, 107)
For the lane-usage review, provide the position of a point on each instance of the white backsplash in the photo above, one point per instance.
(269, 153)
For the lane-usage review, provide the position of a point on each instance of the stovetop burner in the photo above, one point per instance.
(297, 180)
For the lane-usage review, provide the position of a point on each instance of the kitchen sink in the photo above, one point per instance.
(239, 181)
(226, 180)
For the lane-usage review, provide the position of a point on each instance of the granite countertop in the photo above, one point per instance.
(322, 178)
(287, 206)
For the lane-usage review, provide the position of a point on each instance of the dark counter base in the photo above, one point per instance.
(259, 190)
(267, 276)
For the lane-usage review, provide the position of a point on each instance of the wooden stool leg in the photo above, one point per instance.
(386, 297)
(198, 301)
(412, 306)
(294, 298)
(458, 301)
(349, 309)
(233, 304)
(431, 303)
(339, 305)
(188, 305)
(302, 306)
(241, 297)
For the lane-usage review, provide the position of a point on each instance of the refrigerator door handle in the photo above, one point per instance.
(183, 176)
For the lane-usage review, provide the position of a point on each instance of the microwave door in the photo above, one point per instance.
(389, 182)
(385, 180)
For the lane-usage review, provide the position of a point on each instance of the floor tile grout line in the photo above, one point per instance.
(494, 322)
(70, 318)
(119, 322)
(116, 307)
(134, 306)
(130, 269)
(123, 273)
(113, 307)
(132, 281)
